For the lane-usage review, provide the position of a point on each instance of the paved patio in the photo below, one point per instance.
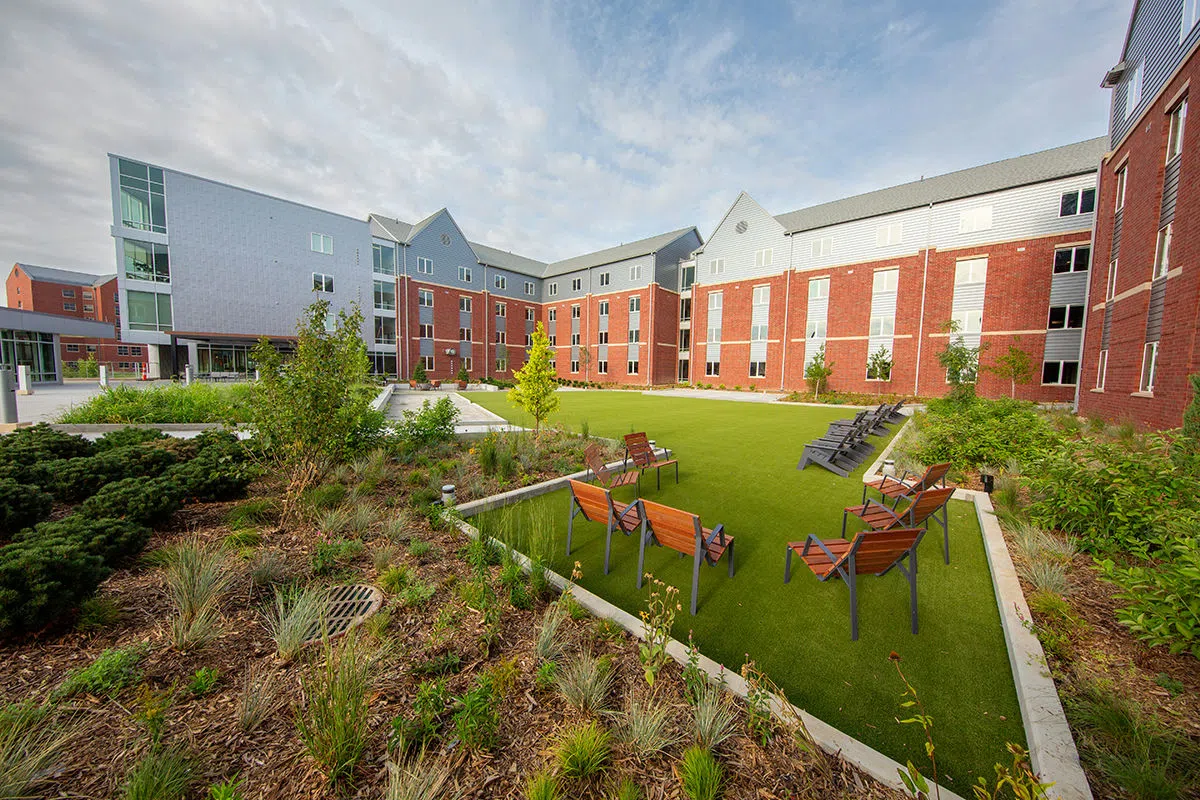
(472, 418)
(50, 400)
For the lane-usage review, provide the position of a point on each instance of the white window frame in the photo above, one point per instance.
(635, 303)
(576, 339)
(822, 247)
(816, 329)
(1149, 368)
(502, 310)
(1133, 88)
(1189, 18)
(464, 334)
(975, 272)
(1122, 179)
(602, 308)
(1176, 126)
(818, 289)
(501, 337)
(714, 334)
(574, 366)
(760, 333)
(889, 234)
(1066, 326)
(529, 288)
(499, 281)
(715, 300)
(1078, 193)
(424, 265)
(605, 279)
(1074, 251)
(501, 365)
(758, 369)
(1110, 290)
(552, 289)
(716, 266)
(969, 321)
(635, 335)
(552, 315)
(889, 278)
(464, 304)
(602, 337)
(320, 243)
(529, 315)
(635, 272)
(761, 296)
(464, 274)
(425, 330)
(326, 282)
(712, 369)
(883, 325)
(575, 311)
(1061, 364)
(424, 298)
(1162, 252)
(972, 220)
(633, 367)
(576, 284)
(764, 257)
(602, 366)
(1102, 369)
(427, 362)
(528, 340)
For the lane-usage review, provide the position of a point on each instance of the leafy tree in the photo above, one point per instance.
(1015, 366)
(312, 411)
(818, 372)
(418, 374)
(960, 362)
(536, 385)
(879, 366)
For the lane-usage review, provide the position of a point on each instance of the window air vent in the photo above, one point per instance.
(446, 239)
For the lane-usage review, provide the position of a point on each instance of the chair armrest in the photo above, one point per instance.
(811, 540)
(635, 507)
(872, 502)
(717, 531)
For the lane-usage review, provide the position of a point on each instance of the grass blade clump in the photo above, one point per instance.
(259, 698)
(196, 578)
(714, 717)
(548, 646)
(296, 618)
(333, 724)
(112, 671)
(583, 751)
(424, 778)
(33, 741)
(585, 681)
(163, 775)
(645, 728)
(700, 774)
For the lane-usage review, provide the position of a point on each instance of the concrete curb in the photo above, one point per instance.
(873, 472)
(383, 398)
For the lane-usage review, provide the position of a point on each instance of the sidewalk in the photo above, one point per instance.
(50, 400)
(471, 418)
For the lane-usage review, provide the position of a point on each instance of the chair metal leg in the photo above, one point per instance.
(695, 580)
(608, 541)
(787, 567)
(570, 525)
(853, 603)
(641, 553)
(731, 559)
(677, 472)
(844, 515)
(912, 587)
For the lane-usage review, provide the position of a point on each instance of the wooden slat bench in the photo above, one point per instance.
(607, 478)
(596, 505)
(681, 531)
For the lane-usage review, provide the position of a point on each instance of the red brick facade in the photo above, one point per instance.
(1143, 155)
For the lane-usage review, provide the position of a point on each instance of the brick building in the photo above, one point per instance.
(79, 295)
(1143, 330)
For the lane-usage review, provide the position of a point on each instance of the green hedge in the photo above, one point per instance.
(44, 577)
(75, 479)
(41, 443)
(21, 505)
(124, 437)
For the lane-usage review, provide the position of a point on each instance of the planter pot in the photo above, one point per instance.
(412, 384)
(462, 384)
(436, 384)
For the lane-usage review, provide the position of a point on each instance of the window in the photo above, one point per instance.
(761, 296)
(143, 202)
(712, 368)
(605, 278)
(501, 337)
(975, 219)
(1081, 201)
(425, 298)
(632, 368)
(1111, 291)
(385, 330)
(1162, 252)
(427, 362)
(1065, 317)
(425, 330)
(501, 365)
(553, 340)
(603, 339)
(91, 348)
(603, 308)
(575, 365)
(969, 321)
(383, 259)
(68, 292)
(464, 274)
(149, 311)
(687, 276)
(501, 309)
(685, 309)
(528, 340)
(822, 247)
(500, 281)
(880, 372)
(1191, 13)
(1177, 118)
(464, 334)
(886, 235)
(635, 304)
(74, 348)
(1121, 176)
(466, 363)
(385, 295)
(635, 335)
(971, 271)
(87, 295)
(122, 351)
(1133, 89)
(146, 261)
(716, 266)
(635, 272)
(758, 333)
(714, 301)
(464, 304)
(322, 282)
(815, 329)
(1149, 367)
(321, 243)
(552, 289)
(714, 334)
(68, 306)
(575, 312)
(529, 315)
(135, 351)
(1072, 259)
(553, 314)
(764, 258)
(883, 326)
(685, 339)
(575, 340)
(602, 366)
(1102, 369)
(818, 288)
(1060, 373)
(885, 280)
(529, 288)
(577, 284)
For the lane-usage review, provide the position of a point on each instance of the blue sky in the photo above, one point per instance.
(548, 128)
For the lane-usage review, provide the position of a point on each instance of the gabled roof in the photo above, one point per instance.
(506, 260)
(67, 276)
(729, 211)
(1059, 162)
(423, 224)
(610, 255)
(397, 230)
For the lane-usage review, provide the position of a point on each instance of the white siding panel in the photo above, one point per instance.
(737, 249)
(855, 242)
(1022, 213)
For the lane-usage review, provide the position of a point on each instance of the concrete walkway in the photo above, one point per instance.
(471, 418)
(719, 394)
(50, 400)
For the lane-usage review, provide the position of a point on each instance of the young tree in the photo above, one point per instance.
(960, 362)
(536, 385)
(312, 411)
(879, 366)
(818, 372)
(585, 357)
(418, 374)
(1186, 448)
(1014, 366)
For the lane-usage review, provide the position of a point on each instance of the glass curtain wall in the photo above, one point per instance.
(33, 350)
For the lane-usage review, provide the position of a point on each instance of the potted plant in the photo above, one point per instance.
(420, 377)
(437, 383)
(463, 377)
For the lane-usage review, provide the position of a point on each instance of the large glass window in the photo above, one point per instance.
(385, 330)
(149, 311)
(143, 200)
(33, 350)
(383, 259)
(229, 358)
(146, 261)
(385, 295)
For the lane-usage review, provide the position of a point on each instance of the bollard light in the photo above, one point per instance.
(448, 495)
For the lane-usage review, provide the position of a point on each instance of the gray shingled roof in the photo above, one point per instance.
(506, 260)
(395, 228)
(64, 275)
(613, 254)
(1059, 162)
(423, 224)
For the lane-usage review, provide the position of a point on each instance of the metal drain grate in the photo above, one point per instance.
(347, 607)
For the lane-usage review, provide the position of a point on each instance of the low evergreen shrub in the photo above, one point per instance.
(21, 505)
(113, 540)
(44, 577)
(218, 472)
(124, 437)
(146, 501)
(41, 443)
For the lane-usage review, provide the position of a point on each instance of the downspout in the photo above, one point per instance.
(924, 283)
(404, 331)
(1087, 294)
(787, 308)
(407, 334)
(486, 340)
(650, 345)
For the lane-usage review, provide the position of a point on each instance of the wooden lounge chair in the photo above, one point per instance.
(681, 531)
(894, 414)
(637, 448)
(607, 478)
(870, 552)
(596, 505)
(908, 484)
(922, 507)
(876, 420)
(834, 454)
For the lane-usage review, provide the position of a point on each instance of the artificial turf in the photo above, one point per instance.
(737, 466)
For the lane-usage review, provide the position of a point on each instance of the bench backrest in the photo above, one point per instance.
(933, 476)
(594, 501)
(875, 551)
(673, 528)
(925, 504)
(591, 457)
(638, 445)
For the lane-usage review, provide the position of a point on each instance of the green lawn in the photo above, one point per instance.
(738, 467)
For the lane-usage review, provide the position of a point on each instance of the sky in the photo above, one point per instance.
(548, 128)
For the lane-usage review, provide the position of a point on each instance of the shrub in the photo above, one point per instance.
(113, 540)
(252, 513)
(21, 505)
(112, 671)
(76, 479)
(203, 681)
(394, 579)
(1163, 598)
(585, 682)
(163, 775)
(334, 721)
(416, 594)
(413, 733)
(198, 402)
(124, 437)
(981, 432)
(583, 751)
(41, 443)
(146, 501)
(477, 720)
(419, 549)
(700, 774)
(96, 613)
(42, 578)
(330, 556)
(432, 424)
(543, 786)
(218, 472)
